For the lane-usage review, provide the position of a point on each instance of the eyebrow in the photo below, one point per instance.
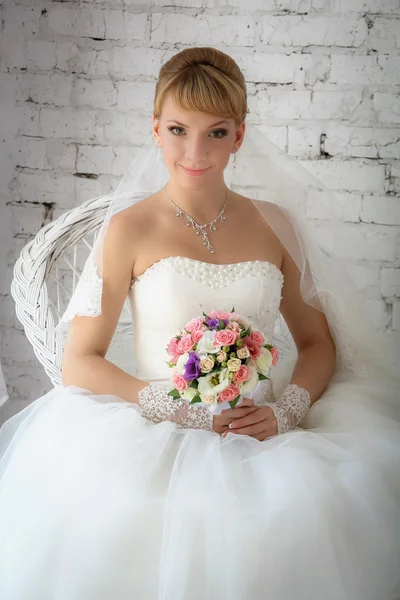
(183, 125)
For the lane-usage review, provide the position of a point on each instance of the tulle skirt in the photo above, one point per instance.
(97, 503)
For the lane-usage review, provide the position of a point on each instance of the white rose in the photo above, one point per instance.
(189, 394)
(209, 399)
(206, 344)
(207, 389)
(181, 362)
(234, 364)
(264, 361)
(243, 352)
(250, 384)
(207, 364)
(221, 356)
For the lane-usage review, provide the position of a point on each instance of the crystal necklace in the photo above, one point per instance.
(201, 228)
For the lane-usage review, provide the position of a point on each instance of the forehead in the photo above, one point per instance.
(172, 111)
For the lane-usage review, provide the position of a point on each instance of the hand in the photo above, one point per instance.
(221, 422)
(259, 424)
(275, 417)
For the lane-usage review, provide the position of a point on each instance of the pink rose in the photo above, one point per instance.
(179, 382)
(214, 314)
(225, 337)
(197, 335)
(234, 325)
(275, 355)
(223, 314)
(254, 349)
(229, 393)
(194, 324)
(257, 337)
(173, 350)
(242, 375)
(186, 343)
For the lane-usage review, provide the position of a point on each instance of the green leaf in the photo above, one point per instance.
(261, 376)
(233, 309)
(194, 384)
(221, 324)
(196, 399)
(174, 393)
(205, 314)
(267, 346)
(233, 403)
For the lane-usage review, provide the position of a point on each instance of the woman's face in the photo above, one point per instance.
(195, 141)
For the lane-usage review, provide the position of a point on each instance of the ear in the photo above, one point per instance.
(240, 135)
(155, 131)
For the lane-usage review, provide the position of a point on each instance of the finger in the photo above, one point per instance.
(261, 436)
(246, 402)
(229, 414)
(254, 417)
(253, 429)
(238, 413)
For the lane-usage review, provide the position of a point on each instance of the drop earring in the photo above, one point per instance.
(234, 161)
(159, 155)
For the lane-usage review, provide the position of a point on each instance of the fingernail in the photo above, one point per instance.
(230, 425)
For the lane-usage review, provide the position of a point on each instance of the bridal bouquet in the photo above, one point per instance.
(217, 359)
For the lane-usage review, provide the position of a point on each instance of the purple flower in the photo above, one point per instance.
(192, 367)
(212, 323)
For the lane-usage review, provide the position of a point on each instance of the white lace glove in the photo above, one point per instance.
(291, 407)
(157, 406)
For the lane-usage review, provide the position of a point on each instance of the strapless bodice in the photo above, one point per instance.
(175, 289)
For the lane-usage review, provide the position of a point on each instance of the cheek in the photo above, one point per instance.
(173, 149)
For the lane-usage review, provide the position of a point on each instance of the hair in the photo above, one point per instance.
(203, 79)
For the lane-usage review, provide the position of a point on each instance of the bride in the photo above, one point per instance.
(110, 489)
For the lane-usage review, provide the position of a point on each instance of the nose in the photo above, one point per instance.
(196, 155)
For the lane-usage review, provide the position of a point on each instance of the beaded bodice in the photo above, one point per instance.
(175, 289)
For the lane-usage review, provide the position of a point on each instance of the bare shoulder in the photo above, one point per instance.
(263, 211)
(265, 207)
(135, 217)
(131, 227)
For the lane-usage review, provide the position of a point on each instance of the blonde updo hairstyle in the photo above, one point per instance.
(203, 79)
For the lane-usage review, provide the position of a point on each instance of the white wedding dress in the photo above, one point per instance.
(98, 503)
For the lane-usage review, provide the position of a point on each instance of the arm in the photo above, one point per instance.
(310, 330)
(88, 339)
(316, 352)
(84, 364)
(314, 366)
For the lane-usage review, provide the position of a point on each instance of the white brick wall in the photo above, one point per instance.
(76, 89)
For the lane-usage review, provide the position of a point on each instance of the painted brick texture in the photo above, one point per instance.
(76, 89)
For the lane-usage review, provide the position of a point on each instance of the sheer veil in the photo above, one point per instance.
(305, 215)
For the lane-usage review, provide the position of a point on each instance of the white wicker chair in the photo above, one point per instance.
(45, 276)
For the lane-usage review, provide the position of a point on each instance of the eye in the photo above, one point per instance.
(223, 132)
(174, 127)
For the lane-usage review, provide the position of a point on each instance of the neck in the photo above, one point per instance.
(202, 204)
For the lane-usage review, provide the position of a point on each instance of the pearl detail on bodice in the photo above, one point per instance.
(216, 276)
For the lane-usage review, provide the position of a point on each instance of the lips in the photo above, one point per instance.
(194, 170)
